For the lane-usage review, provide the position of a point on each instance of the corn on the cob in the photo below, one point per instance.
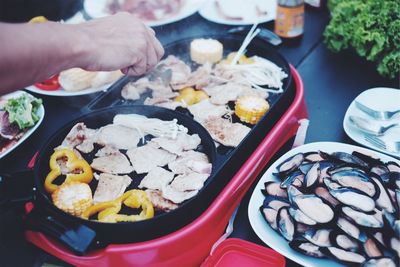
(73, 197)
(251, 108)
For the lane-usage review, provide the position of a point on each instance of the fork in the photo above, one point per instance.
(377, 114)
(393, 146)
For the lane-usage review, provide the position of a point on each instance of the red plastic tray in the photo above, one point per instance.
(237, 252)
(190, 245)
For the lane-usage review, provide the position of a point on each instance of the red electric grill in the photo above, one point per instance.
(191, 244)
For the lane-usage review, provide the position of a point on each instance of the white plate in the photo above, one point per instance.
(62, 92)
(261, 227)
(209, 12)
(96, 9)
(379, 98)
(40, 113)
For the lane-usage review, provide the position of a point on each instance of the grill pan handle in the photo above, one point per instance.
(75, 236)
(16, 187)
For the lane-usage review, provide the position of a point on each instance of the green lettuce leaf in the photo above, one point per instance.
(22, 110)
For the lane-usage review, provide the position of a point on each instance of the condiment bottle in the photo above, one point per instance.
(289, 21)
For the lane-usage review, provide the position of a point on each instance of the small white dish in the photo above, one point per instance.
(246, 9)
(62, 92)
(261, 227)
(380, 98)
(96, 9)
(40, 113)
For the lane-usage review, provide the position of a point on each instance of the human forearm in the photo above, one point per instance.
(33, 52)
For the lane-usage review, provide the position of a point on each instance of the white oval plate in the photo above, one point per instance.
(40, 113)
(209, 12)
(261, 227)
(380, 98)
(62, 92)
(96, 9)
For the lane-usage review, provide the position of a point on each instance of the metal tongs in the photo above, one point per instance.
(264, 34)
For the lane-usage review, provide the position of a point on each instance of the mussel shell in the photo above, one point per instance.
(306, 248)
(350, 228)
(354, 198)
(290, 179)
(345, 167)
(292, 193)
(323, 193)
(319, 237)
(379, 262)
(300, 217)
(275, 202)
(393, 166)
(340, 239)
(358, 180)
(372, 248)
(371, 161)
(349, 158)
(315, 208)
(343, 255)
(290, 164)
(362, 218)
(383, 200)
(313, 156)
(270, 216)
(273, 189)
(380, 170)
(286, 224)
(312, 177)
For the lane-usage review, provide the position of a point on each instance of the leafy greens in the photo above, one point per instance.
(371, 28)
(22, 110)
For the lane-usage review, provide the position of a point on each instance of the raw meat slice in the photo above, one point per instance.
(225, 132)
(182, 143)
(118, 136)
(7, 130)
(114, 164)
(205, 109)
(80, 137)
(157, 178)
(184, 163)
(146, 158)
(159, 202)
(187, 182)
(110, 187)
(177, 196)
(107, 151)
(133, 90)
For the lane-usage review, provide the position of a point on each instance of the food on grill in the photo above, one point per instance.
(134, 151)
(77, 79)
(17, 115)
(73, 197)
(211, 88)
(225, 132)
(337, 205)
(156, 179)
(148, 10)
(109, 211)
(189, 96)
(147, 157)
(250, 109)
(65, 162)
(206, 51)
(110, 187)
(118, 136)
(115, 163)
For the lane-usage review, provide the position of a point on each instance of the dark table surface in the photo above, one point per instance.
(331, 82)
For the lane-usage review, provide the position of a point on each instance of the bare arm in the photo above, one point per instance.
(33, 52)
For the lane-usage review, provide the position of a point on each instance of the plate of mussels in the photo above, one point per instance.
(330, 204)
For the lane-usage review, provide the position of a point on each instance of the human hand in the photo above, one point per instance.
(116, 42)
